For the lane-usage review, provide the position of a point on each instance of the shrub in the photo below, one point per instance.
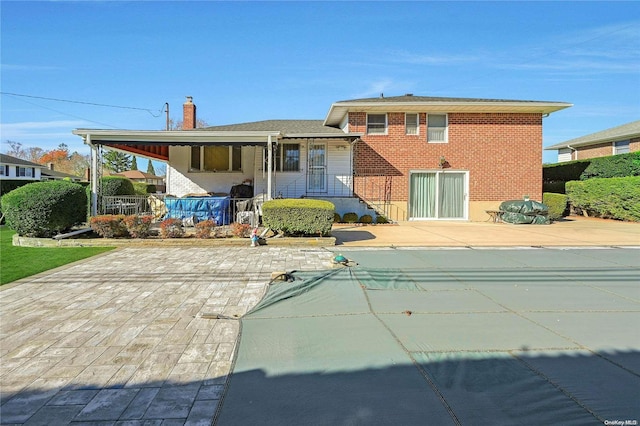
(556, 203)
(365, 218)
(43, 209)
(616, 198)
(109, 225)
(241, 230)
(171, 228)
(381, 219)
(117, 185)
(299, 216)
(337, 218)
(138, 226)
(350, 217)
(613, 166)
(205, 228)
(142, 188)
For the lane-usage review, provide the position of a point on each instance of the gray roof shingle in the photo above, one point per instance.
(618, 133)
(286, 127)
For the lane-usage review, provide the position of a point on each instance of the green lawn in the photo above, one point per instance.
(20, 262)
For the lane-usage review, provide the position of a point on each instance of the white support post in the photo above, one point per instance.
(270, 166)
(94, 176)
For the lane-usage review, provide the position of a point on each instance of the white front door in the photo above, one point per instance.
(317, 173)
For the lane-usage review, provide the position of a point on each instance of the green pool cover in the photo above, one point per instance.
(491, 337)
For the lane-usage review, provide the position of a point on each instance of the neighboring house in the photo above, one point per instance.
(12, 168)
(48, 173)
(412, 157)
(148, 178)
(616, 140)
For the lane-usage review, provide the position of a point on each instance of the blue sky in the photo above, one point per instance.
(247, 61)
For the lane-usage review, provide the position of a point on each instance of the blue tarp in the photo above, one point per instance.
(202, 208)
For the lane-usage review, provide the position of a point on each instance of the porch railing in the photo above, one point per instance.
(239, 209)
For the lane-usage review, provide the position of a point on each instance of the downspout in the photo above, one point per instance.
(94, 176)
(270, 166)
(574, 150)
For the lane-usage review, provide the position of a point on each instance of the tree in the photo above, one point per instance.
(116, 161)
(16, 150)
(34, 154)
(134, 164)
(177, 125)
(150, 168)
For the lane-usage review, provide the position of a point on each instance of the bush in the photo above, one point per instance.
(142, 188)
(171, 228)
(365, 218)
(205, 228)
(43, 209)
(241, 230)
(615, 198)
(109, 225)
(556, 203)
(337, 218)
(381, 219)
(622, 165)
(138, 226)
(117, 185)
(299, 216)
(350, 217)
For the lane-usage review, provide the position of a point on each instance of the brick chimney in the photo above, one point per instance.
(188, 114)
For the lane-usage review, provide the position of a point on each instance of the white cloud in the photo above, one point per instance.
(25, 67)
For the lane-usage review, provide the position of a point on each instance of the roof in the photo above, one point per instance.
(618, 133)
(288, 128)
(137, 174)
(411, 103)
(7, 159)
(59, 175)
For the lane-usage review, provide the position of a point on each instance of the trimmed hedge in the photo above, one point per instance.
(556, 203)
(622, 165)
(44, 209)
(142, 188)
(299, 216)
(350, 217)
(615, 198)
(117, 185)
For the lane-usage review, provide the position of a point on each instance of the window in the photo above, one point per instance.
(288, 157)
(25, 171)
(377, 124)
(621, 147)
(2, 171)
(437, 128)
(216, 158)
(411, 124)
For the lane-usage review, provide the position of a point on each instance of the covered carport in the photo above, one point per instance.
(155, 145)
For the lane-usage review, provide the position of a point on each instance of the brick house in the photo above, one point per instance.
(410, 157)
(444, 158)
(616, 140)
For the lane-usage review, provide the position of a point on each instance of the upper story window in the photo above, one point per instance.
(4, 170)
(216, 158)
(376, 124)
(621, 147)
(411, 124)
(437, 128)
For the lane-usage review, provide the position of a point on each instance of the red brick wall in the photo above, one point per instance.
(601, 150)
(604, 149)
(502, 152)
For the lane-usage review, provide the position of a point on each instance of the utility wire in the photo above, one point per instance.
(84, 103)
